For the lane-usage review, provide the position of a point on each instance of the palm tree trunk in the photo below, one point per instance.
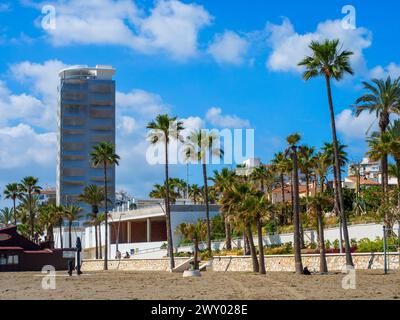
(323, 267)
(60, 225)
(302, 242)
(50, 234)
(296, 213)
(196, 254)
(292, 199)
(349, 259)
(207, 209)
(15, 211)
(283, 198)
(253, 250)
(246, 244)
(100, 245)
(336, 205)
(385, 176)
(168, 211)
(96, 240)
(106, 219)
(261, 247)
(228, 236)
(398, 188)
(70, 233)
(32, 222)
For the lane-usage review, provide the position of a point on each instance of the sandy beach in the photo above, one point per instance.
(214, 286)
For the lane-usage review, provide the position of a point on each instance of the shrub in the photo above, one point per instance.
(336, 244)
(328, 244)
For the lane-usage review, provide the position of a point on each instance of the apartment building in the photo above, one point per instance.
(85, 117)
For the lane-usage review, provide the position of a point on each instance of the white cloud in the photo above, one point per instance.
(22, 146)
(172, 26)
(22, 107)
(216, 118)
(229, 47)
(127, 125)
(190, 124)
(380, 72)
(42, 78)
(42, 81)
(142, 102)
(289, 47)
(355, 128)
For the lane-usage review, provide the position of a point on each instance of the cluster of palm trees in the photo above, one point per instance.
(199, 147)
(179, 189)
(33, 219)
(247, 200)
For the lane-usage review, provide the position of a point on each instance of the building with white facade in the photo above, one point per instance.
(143, 232)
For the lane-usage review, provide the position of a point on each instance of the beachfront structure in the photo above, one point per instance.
(142, 232)
(85, 117)
(18, 253)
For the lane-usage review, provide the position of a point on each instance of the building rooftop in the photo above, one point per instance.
(100, 72)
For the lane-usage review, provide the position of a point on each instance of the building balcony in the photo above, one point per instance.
(102, 114)
(73, 122)
(73, 146)
(67, 158)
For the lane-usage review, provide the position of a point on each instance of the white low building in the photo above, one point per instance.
(142, 232)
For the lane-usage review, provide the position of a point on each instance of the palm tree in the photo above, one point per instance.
(394, 171)
(162, 130)
(72, 213)
(200, 146)
(281, 165)
(159, 192)
(380, 145)
(180, 186)
(29, 186)
(104, 155)
(241, 198)
(292, 140)
(195, 193)
(328, 61)
(394, 131)
(317, 203)
(12, 192)
(59, 214)
(306, 163)
(6, 216)
(382, 98)
(329, 151)
(193, 232)
(94, 196)
(47, 219)
(222, 182)
(322, 163)
(262, 208)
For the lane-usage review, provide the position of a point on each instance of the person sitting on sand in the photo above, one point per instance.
(127, 255)
(306, 272)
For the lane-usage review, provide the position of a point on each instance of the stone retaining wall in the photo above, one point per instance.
(131, 264)
(285, 263)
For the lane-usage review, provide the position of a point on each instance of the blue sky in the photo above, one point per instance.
(215, 64)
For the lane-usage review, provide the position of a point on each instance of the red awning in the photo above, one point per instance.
(10, 248)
